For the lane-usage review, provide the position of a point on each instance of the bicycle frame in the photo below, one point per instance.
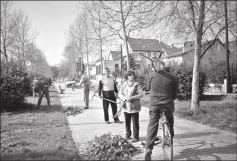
(166, 140)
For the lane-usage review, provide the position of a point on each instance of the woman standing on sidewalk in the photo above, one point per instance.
(131, 92)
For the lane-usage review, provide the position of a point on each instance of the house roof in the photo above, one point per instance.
(232, 46)
(91, 64)
(170, 51)
(188, 49)
(98, 60)
(115, 54)
(180, 52)
(189, 43)
(146, 44)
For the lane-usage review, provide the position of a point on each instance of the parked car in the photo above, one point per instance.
(69, 81)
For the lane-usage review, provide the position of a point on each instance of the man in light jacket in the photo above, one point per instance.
(86, 83)
(109, 91)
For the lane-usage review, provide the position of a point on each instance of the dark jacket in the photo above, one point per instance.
(40, 85)
(163, 87)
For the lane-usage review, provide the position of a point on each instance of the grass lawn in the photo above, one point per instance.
(216, 111)
(41, 134)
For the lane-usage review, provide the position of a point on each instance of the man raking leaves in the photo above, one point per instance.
(42, 87)
(86, 84)
(108, 91)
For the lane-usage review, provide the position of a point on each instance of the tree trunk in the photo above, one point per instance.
(127, 52)
(197, 54)
(195, 80)
(101, 51)
(227, 49)
(125, 37)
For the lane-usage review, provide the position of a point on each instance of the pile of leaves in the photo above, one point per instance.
(109, 147)
(71, 110)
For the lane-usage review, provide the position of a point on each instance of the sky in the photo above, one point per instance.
(51, 19)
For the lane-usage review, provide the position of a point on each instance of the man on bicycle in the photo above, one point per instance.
(163, 87)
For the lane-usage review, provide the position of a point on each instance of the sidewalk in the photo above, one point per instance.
(192, 141)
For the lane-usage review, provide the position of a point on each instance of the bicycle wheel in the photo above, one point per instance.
(167, 143)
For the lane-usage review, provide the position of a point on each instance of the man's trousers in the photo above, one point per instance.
(86, 95)
(106, 108)
(41, 95)
(153, 125)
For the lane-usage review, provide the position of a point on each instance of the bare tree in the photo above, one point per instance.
(87, 41)
(7, 28)
(75, 40)
(102, 34)
(126, 17)
(23, 33)
(198, 21)
(71, 56)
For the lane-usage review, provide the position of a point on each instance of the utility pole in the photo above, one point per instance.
(227, 49)
(0, 77)
(121, 63)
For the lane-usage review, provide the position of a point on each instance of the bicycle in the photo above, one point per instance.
(166, 139)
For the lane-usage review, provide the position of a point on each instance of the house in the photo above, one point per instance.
(148, 47)
(113, 63)
(215, 53)
(92, 68)
(114, 55)
(166, 52)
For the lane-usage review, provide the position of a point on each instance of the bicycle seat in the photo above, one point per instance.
(164, 110)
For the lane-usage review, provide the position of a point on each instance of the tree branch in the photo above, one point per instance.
(193, 16)
(213, 42)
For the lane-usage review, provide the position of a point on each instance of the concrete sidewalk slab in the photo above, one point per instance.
(192, 141)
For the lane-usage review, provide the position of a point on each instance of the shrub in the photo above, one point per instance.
(184, 73)
(14, 88)
(216, 72)
(141, 75)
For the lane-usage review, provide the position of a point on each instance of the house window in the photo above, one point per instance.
(149, 65)
(154, 54)
(90, 68)
(116, 66)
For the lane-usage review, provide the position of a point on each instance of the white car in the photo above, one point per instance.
(69, 82)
